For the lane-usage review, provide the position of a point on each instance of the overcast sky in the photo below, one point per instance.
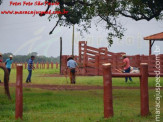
(22, 34)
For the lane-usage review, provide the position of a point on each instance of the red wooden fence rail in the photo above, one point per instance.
(107, 80)
(91, 59)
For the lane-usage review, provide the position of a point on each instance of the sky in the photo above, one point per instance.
(23, 34)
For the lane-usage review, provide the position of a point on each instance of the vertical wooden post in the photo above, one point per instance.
(138, 61)
(97, 64)
(37, 67)
(150, 47)
(108, 100)
(60, 54)
(40, 65)
(19, 92)
(85, 58)
(79, 51)
(12, 65)
(51, 65)
(47, 65)
(15, 65)
(73, 42)
(144, 89)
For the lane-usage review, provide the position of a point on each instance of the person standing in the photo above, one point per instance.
(71, 64)
(126, 66)
(8, 63)
(30, 68)
(1, 60)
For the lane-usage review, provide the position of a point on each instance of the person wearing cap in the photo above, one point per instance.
(126, 67)
(8, 63)
(71, 64)
(1, 60)
(30, 68)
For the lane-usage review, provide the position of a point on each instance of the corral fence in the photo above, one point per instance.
(37, 65)
(90, 60)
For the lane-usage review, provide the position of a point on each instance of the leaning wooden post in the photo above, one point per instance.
(144, 89)
(107, 81)
(19, 92)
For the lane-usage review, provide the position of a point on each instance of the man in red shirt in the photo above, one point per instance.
(126, 67)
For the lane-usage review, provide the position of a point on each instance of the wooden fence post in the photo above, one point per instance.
(51, 65)
(19, 92)
(144, 89)
(40, 65)
(97, 64)
(25, 65)
(43, 65)
(80, 52)
(12, 66)
(108, 100)
(47, 65)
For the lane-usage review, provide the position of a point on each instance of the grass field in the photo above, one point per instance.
(86, 80)
(75, 106)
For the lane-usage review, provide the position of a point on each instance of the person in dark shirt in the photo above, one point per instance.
(30, 68)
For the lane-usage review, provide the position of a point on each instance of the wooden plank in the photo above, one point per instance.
(91, 52)
(93, 48)
(91, 64)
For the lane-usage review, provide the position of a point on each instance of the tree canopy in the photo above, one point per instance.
(81, 12)
(25, 58)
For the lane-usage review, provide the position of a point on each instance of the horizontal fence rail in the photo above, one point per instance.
(107, 81)
(91, 59)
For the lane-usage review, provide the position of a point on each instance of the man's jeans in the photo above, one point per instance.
(127, 71)
(29, 76)
(9, 71)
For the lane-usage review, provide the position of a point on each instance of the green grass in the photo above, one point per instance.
(76, 106)
(86, 80)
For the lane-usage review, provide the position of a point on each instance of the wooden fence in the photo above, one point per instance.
(37, 65)
(90, 60)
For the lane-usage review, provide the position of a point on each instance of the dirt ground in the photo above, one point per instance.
(68, 87)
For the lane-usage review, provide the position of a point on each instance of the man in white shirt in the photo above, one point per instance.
(71, 64)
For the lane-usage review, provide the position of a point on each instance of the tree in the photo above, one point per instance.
(81, 12)
(33, 54)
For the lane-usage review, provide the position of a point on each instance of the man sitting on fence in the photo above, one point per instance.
(126, 66)
(71, 64)
(30, 68)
